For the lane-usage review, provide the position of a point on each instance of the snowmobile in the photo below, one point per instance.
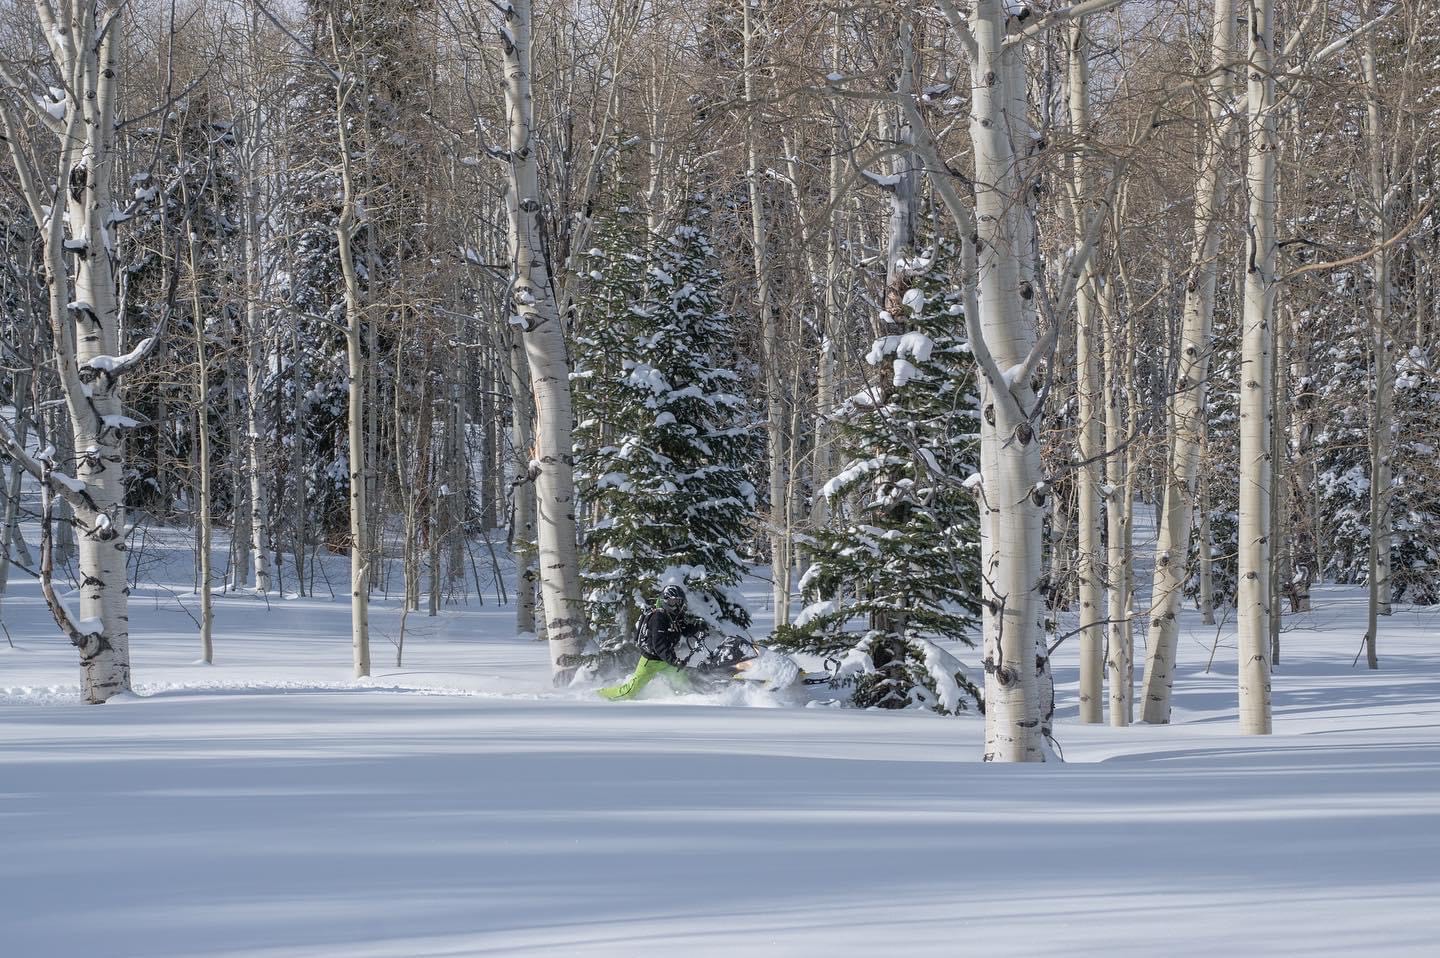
(709, 662)
(712, 665)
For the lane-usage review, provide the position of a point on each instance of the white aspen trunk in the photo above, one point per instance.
(101, 447)
(490, 429)
(656, 206)
(355, 358)
(1122, 674)
(437, 578)
(255, 424)
(1025, 144)
(411, 476)
(1381, 421)
(1011, 563)
(1207, 564)
(1303, 483)
(1283, 542)
(297, 461)
(997, 251)
(1117, 510)
(203, 522)
(459, 475)
(904, 193)
(237, 569)
(254, 434)
(544, 340)
(830, 323)
(1087, 390)
(1187, 404)
(522, 528)
(83, 37)
(794, 495)
(253, 251)
(65, 542)
(769, 337)
(1256, 401)
(795, 514)
(1062, 557)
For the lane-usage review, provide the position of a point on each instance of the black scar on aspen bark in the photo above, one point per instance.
(990, 414)
(1026, 290)
(1024, 433)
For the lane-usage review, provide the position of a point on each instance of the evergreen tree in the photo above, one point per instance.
(664, 447)
(1220, 469)
(1415, 557)
(312, 380)
(899, 572)
(1343, 470)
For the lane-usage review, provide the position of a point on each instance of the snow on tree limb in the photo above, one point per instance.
(82, 633)
(40, 468)
(1057, 17)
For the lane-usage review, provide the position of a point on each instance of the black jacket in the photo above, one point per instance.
(660, 633)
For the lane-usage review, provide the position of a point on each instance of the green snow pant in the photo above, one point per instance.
(645, 671)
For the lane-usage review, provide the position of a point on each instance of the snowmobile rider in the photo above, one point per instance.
(658, 639)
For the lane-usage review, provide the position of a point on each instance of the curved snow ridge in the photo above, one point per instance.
(70, 694)
(292, 687)
(743, 694)
(40, 695)
(734, 695)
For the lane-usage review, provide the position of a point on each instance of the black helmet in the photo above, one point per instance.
(672, 598)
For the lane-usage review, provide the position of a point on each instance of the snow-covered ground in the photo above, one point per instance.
(269, 806)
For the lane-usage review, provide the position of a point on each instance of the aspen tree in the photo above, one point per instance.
(1118, 493)
(996, 246)
(543, 338)
(1187, 403)
(251, 147)
(1383, 362)
(1256, 381)
(355, 356)
(76, 216)
(770, 328)
(1087, 391)
(204, 518)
